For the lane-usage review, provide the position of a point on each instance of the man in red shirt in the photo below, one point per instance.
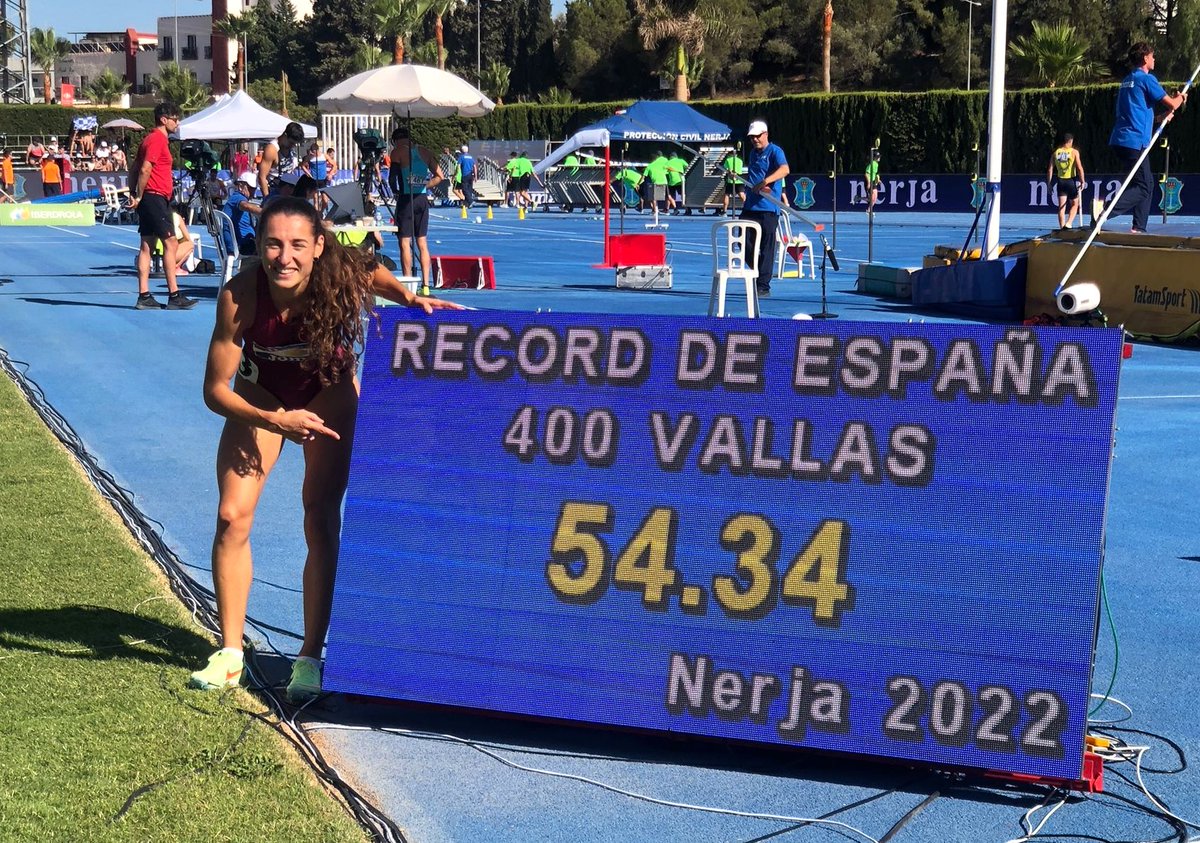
(152, 192)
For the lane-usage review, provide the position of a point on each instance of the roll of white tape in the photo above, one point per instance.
(1079, 298)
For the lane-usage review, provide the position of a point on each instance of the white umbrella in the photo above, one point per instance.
(123, 123)
(406, 90)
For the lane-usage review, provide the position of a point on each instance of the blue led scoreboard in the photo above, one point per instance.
(874, 538)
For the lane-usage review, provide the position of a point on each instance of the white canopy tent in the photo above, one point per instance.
(234, 118)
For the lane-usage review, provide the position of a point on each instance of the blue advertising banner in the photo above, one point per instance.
(873, 538)
(1019, 193)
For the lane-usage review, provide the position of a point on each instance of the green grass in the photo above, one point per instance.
(94, 655)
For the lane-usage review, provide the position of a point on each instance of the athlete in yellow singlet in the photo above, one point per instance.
(1066, 173)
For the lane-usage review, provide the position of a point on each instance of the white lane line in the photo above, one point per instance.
(68, 231)
(1157, 397)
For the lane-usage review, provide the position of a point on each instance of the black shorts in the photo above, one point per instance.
(731, 188)
(154, 216)
(523, 182)
(1068, 188)
(412, 215)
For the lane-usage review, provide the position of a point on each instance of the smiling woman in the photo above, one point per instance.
(286, 335)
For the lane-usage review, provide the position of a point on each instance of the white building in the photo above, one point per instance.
(136, 56)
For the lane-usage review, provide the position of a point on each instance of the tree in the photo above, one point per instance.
(555, 95)
(397, 20)
(1051, 55)
(369, 57)
(180, 87)
(728, 58)
(597, 51)
(237, 28)
(442, 9)
(323, 51)
(495, 81)
(47, 49)
(826, 44)
(106, 89)
(676, 25)
(271, 44)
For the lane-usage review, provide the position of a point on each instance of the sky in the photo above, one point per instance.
(70, 16)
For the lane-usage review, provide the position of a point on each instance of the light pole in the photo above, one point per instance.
(478, 38)
(971, 4)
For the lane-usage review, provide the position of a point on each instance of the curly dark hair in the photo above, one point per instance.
(338, 295)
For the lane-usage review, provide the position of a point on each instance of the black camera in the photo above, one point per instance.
(198, 156)
(370, 141)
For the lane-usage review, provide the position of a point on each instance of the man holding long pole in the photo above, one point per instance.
(1140, 93)
(766, 168)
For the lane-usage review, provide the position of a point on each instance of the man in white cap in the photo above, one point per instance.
(766, 168)
(242, 211)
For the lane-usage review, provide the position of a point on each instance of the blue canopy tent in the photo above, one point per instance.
(645, 120)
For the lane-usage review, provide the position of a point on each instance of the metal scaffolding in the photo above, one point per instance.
(16, 65)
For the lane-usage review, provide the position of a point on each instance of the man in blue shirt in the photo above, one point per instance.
(766, 168)
(466, 172)
(1137, 98)
(242, 212)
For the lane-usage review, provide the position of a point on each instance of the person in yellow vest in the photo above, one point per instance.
(1066, 173)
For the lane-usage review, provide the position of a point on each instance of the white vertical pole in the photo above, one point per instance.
(991, 236)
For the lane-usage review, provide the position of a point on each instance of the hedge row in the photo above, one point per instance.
(931, 132)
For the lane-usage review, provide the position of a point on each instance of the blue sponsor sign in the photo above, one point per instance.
(873, 538)
(1019, 193)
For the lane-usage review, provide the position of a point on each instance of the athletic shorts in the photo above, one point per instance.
(523, 182)
(154, 216)
(412, 216)
(731, 188)
(1068, 188)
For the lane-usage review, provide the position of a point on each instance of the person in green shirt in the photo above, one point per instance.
(676, 167)
(654, 184)
(871, 176)
(733, 167)
(510, 182)
(571, 164)
(625, 181)
(524, 171)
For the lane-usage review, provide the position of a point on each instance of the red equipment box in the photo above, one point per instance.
(457, 271)
(637, 249)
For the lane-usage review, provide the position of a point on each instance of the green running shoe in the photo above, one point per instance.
(224, 670)
(305, 684)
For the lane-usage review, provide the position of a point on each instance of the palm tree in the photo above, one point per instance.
(397, 19)
(46, 49)
(106, 89)
(1054, 54)
(826, 44)
(179, 86)
(368, 57)
(682, 26)
(495, 80)
(237, 28)
(442, 9)
(555, 95)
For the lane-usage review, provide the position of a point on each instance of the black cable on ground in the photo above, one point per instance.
(199, 601)
(904, 820)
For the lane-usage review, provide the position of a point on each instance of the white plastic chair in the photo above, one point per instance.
(785, 239)
(732, 258)
(229, 259)
(111, 204)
